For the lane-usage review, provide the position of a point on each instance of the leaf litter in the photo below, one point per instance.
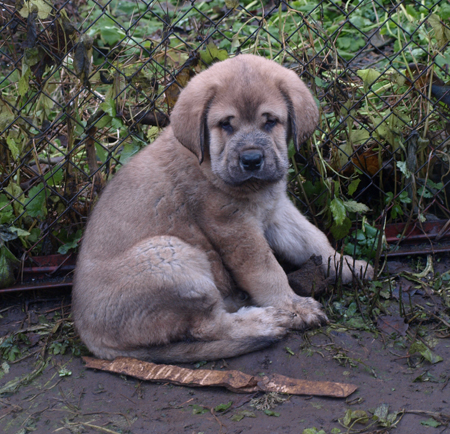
(412, 331)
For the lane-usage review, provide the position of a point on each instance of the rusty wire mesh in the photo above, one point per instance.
(85, 85)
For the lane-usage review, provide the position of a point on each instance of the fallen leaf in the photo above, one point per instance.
(272, 413)
(355, 416)
(430, 422)
(426, 376)
(199, 409)
(223, 407)
(289, 351)
(313, 431)
(241, 414)
(235, 381)
(383, 417)
(382, 412)
(425, 352)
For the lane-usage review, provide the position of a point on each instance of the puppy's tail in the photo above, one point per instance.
(189, 352)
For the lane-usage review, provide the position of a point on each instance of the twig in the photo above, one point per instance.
(99, 428)
(221, 425)
(25, 357)
(442, 417)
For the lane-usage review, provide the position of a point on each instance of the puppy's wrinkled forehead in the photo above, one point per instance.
(249, 93)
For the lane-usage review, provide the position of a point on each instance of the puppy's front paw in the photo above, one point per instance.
(263, 322)
(308, 313)
(361, 269)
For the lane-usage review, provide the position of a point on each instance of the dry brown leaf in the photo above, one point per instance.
(232, 380)
(367, 162)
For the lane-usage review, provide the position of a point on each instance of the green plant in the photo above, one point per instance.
(362, 243)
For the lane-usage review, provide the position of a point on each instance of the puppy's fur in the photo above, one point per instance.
(177, 263)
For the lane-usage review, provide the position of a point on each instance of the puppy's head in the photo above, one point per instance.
(241, 114)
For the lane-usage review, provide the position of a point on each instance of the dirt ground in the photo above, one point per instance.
(407, 390)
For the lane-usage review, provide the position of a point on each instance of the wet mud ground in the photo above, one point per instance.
(68, 398)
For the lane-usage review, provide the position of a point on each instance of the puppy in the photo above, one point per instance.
(178, 259)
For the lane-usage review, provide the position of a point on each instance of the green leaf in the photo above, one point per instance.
(441, 32)
(16, 194)
(356, 415)
(34, 236)
(24, 82)
(36, 204)
(369, 76)
(8, 263)
(382, 412)
(402, 166)
(45, 103)
(231, 4)
(353, 206)
(6, 210)
(102, 153)
(32, 56)
(289, 351)
(111, 35)
(313, 431)
(426, 376)
(424, 192)
(272, 413)
(213, 54)
(444, 11)
(198, 409)
(353, 186)
(13, 147)
(223, 407)
(359, 137)
(44, 8)
(241, 414)
(64, 372)
(104, 121)
(72, 244)
(19, 232)
(6, 117)
(109, 106)
(344, 42)
(7, 235)
(337, 208)
(430, 422)
(341, 231)
(425, 352)
(291, 150)
(55, 176)
(352, 308)
(370, 231)
(404, 198)
(116, 123)
(320, 83)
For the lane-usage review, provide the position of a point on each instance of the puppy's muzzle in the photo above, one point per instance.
(251, 160)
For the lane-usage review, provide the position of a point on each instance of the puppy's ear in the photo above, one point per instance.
(188, 118)
(303, 112)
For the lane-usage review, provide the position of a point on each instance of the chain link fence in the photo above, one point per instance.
(85, 85)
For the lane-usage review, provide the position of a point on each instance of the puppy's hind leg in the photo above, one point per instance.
(158, 301)
(221, 334)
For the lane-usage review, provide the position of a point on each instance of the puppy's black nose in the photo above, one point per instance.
(252, 160)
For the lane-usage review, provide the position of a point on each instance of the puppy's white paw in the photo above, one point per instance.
(361, 269)
(308, 312)
(264, 321)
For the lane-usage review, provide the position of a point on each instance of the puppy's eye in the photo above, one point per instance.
(270, 123)
(226, 126)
